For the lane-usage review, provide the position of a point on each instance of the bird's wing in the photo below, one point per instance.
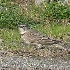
(37, 37)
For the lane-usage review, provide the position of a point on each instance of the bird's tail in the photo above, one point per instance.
(57, 41)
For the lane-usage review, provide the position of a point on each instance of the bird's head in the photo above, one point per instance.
(22, 28)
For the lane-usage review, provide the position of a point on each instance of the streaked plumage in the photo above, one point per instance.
(34, 37)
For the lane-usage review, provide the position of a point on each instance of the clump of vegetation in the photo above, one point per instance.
(11, 15)
(53, 12)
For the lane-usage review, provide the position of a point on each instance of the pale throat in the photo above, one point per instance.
(22, 31)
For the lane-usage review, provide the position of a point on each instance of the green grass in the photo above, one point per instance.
(11, 38)
(53, 30)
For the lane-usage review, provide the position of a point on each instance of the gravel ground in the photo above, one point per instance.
(10, 61)
(31, 63)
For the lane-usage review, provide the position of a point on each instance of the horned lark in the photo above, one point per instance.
(34, 37)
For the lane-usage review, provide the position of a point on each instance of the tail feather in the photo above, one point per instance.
(56, 41)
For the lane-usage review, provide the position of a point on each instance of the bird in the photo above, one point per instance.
(35, 37)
